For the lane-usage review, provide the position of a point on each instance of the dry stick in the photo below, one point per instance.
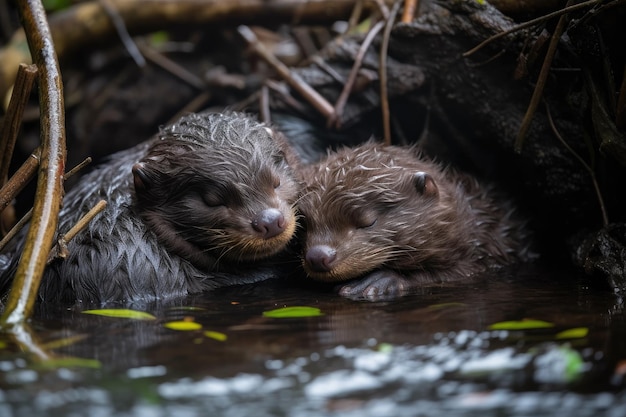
(596, 187)
(26, 218)
(410, 6)
(40, 236)
(172, 67)
(355, 15)
(541, 83)
(264, 104)
(343, 97)
(26, 75)
(60, 249)
(384, 99)
(19, 180)
(312, 96)
(122, 32)
(530, 23)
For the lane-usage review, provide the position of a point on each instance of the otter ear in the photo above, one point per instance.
(140, 177)
(425, 184)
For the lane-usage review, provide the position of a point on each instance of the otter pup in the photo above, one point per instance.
(206, 203)
(390, 221)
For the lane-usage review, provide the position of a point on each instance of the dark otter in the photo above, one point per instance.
(206, 203)
(397, 221)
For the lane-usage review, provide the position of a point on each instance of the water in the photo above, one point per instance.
(431, 353)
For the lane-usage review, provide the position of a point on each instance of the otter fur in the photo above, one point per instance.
(208, 202)
(389, 221)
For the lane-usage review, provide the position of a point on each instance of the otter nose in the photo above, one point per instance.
(269, 223)
(320, 258)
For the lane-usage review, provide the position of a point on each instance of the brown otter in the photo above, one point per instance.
(206, 203)
(397, 221)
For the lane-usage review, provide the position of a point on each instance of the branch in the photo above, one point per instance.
(87, 24)
(40, 236)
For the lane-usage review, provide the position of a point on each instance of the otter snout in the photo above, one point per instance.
(269, 223)
(320, 258)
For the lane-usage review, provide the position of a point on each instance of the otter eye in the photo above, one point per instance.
(212, 200)
(365, 220)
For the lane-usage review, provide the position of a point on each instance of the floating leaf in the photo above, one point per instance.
(220, 337)
(295, 311)
(183, 325)
(521, 325)
(574, 333)
(574, 364)
(70, 363)
(66, 341)
(385, 348)
(122, 313)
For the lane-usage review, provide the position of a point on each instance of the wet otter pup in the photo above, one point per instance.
(206, 203)
(391, 221)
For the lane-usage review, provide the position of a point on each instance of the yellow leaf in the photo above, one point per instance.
(122, 313)
(295, 311)
(526, 324)
(183, 325)
(220, 337)
(574, 333)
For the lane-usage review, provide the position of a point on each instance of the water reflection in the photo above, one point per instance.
(431, 354)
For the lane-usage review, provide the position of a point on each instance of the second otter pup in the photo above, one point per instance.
(206, 203)
(391, 221)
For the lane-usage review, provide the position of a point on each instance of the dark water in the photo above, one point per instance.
(427, 354)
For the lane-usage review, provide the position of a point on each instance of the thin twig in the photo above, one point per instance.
(26, 218)
(26, 76)
(19, 179)
(60, 249)
(16, 228)
(541, 83)
(335, 117)
(172, 67)
(77, 168)
(530, 23)
(120, 27)
(596, 187)
(312, 96)
(264, 104)
(410, 7)
(384, 98)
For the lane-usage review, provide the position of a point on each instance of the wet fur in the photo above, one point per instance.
(392, 231)
(164, 240)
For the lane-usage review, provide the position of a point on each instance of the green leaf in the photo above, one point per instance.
(521, 325)
(220, 337)
(574, 333)
(182, 325)
(574, 364)
(159, 38)
(3, 344)
(295, 311)
(122, 313)
(69, 363)
(384, 348)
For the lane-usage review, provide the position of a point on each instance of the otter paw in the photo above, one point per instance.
(377, 286)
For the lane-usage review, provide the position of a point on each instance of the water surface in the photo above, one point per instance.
(431, 353)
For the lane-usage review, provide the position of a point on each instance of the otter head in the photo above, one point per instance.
(373, 207)
(217, 188)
